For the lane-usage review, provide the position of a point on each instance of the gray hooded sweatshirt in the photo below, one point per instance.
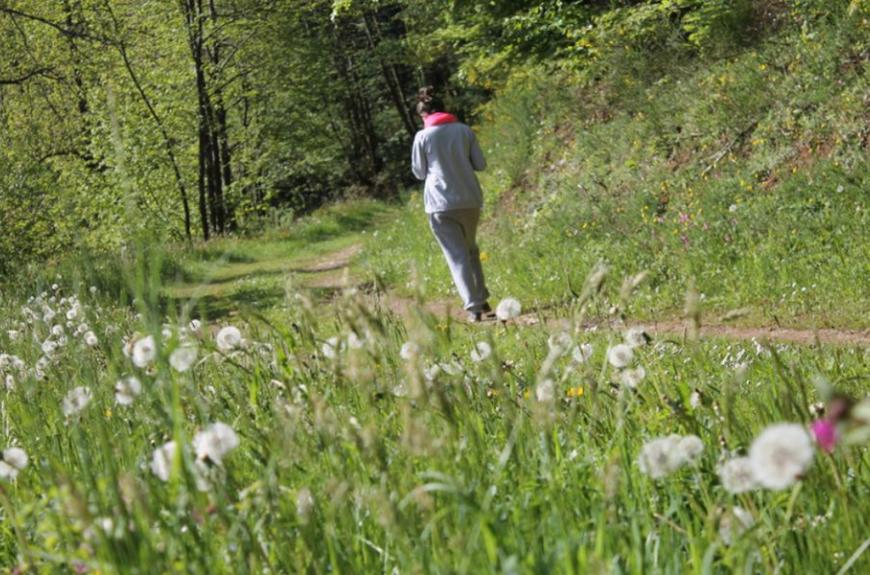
(446, 157)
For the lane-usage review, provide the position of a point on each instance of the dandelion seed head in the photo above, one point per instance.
(620, 355)
(636, 336)
(354, 341)
(780, 455)
(736, 475)
(49, 347)
(161, 460)
(560, 343)
(214, 442)
(409, 351)
(90, 339)
(734, 523)
(331, 347)
(664, 455)
(14, 460)
(690, 447)
(545, 391)
(581, 353)
(481, 352)
(183, 357)
(229, 338)
(508, 308)
(304, 504)
(127, 389)
(76, 400)
(631, 378)
(144, 352)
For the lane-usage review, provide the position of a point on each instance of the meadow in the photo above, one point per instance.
(320, 432)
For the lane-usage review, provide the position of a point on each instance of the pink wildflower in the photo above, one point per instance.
(825, 432)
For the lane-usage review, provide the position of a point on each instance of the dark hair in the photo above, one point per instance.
(428, 102)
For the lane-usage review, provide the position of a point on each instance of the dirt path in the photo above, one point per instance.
(329, 271)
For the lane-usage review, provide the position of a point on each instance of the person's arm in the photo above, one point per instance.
(419, 164)
(478, 162)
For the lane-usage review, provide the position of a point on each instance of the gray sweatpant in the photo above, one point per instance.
(456, 232)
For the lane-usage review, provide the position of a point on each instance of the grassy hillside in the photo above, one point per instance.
(744, 176)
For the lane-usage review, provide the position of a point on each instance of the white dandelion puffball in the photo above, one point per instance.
(636, 336)
(508, 308)
(354, 341)
(582, 352)
(560, 343)
(57, 330)
(780, 455)
(661, 456)
(91, 339)
(409, 351)
(144, 352)
(195, 325)
(161, 460)
(545, 391)
(736, 475)
(49, 347)
(330, 347)
(214, 442)
(620, 355)
(451, 368)
(691, 447)
(127, 389)
(481, 352)
(183, 357)
(431, 372)
(13, 460)
(631, 378)
(304, 503)
(734, 523)
(228, 338)
(76, 400)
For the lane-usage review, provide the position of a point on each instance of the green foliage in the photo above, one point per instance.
(745, 176)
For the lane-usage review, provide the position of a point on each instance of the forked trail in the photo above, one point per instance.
(331, 271)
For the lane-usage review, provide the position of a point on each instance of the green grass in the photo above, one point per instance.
(745, 177)
(467, 473)
(226, 275)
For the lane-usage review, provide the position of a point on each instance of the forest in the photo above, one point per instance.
(192, 119)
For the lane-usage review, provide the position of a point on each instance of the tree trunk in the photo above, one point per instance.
(391, 77)
(167, 141)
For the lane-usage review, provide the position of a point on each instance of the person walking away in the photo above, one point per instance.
(446, 156)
